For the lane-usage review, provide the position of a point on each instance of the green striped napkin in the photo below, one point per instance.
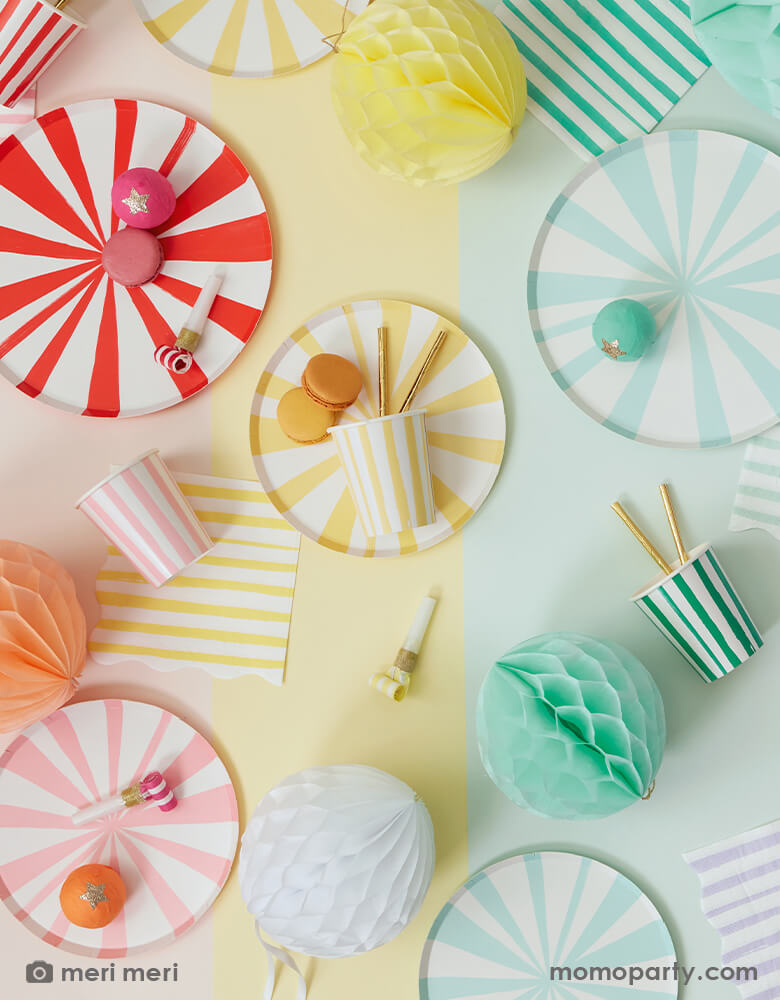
(603, 71)
(757, 504)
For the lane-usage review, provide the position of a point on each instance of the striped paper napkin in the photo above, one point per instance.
(757, 503)
(229, 613)
(603, 71)
(12, 118)
(740, 893)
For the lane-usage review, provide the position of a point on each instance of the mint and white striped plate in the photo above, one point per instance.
(500, 935)
(689, 224)
(700, 613)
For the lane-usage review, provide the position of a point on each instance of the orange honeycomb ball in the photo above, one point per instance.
(92, 895)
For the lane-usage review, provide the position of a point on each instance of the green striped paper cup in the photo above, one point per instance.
(700, 613)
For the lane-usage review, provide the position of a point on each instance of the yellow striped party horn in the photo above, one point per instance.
(394, 682)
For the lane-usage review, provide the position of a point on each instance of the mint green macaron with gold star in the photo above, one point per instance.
(624, 330)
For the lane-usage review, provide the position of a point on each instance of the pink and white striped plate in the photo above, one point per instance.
(173, 864)
(71, 336)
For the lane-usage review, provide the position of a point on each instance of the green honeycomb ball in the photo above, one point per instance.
(571, 727)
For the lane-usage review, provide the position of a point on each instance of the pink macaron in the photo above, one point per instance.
(132, 257)
(143, 198)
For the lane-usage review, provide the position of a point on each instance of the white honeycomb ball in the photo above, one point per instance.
(337, 860)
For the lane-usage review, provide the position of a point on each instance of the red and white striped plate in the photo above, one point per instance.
(71, 336)
(173, 864)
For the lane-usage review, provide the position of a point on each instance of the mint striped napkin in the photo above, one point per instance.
(740, 896)
(757, 503)
(603, 71)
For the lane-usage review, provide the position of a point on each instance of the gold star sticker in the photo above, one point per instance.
(136, 202)
(612, 349)
(94, 894)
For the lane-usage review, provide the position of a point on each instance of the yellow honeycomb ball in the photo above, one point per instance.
(428, 90)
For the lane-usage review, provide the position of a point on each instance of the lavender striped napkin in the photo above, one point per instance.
(740, 894)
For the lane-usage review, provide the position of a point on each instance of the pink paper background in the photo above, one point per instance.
(39, 480)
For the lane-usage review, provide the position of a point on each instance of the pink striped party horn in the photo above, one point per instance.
(154, 788)
(32, 34)
(141, 509)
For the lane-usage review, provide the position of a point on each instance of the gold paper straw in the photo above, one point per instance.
(381, 334)
(672, 518)
(442, 336)
(646, 544)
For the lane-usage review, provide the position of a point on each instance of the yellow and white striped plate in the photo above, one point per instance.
(466, 423)
(249, 38)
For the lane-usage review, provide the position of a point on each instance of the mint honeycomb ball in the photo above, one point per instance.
(571, 727)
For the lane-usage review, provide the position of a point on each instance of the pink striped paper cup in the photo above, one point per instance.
(32, 34)
(141, 509)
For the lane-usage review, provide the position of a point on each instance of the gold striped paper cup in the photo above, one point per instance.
(698, 610)
(388, 473)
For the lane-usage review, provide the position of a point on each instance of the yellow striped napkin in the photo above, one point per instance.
(229, 613)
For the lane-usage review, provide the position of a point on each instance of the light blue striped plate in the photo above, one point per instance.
(500, 934)
(689, 224)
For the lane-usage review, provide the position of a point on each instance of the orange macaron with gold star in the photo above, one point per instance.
(92, 896)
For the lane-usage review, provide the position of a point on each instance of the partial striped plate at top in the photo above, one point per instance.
(502, 934)
(688, 223)
(248, 38)
(173, 864)
(465, 421)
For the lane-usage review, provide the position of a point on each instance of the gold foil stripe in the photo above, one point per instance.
(406, 660)
(132, 796)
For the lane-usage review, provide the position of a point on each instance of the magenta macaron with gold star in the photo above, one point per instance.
(143, 198)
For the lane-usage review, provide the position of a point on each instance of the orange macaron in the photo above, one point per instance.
(303, 420)
(332, 381)
(92, 896)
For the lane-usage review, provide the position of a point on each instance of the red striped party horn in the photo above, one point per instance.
(155, 788)
(178, 359)
(32, 34)
(175, 359)
(141, 509)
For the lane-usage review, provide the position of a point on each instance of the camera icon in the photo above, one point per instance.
(40, 972)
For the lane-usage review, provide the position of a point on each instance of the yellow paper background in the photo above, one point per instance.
(340, 232)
